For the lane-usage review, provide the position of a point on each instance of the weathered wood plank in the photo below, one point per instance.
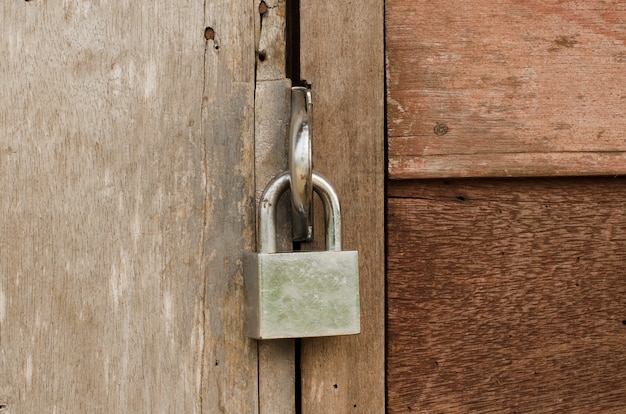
(505, 81)
(507, 165)
(230, 371)
(126, 169)
(271, 39)
(277, 365)
(342, 56)
(506, 296)
(277, 357)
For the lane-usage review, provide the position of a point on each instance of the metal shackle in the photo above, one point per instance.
(267, 212)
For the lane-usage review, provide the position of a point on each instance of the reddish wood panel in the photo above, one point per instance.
(506, 88)
(507, 296)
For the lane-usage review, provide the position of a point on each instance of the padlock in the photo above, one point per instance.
(301, 294)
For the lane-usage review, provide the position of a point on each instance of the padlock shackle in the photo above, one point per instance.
(332, 211)
(269, 201)
(267, 213)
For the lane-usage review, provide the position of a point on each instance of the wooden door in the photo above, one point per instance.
(341, 53)
(132, 139)
(505, 294)
(342, 56)
(121, 229)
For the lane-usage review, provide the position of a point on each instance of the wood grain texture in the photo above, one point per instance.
(271, 39)
(230, 370)
(126, 173)
(277, 362)
(272, 113)
(506, 296)
(505, 88)
(342, 56)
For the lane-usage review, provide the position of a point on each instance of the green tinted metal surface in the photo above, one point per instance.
(295, 295)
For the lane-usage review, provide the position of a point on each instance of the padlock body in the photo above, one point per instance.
(302, 294)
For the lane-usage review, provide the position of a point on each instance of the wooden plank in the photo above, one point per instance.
(502, 82)
(230, 371)
(271, 40)
(508, 165)
(277, 357)
(342, 56)
(506, 296)
(126, 169)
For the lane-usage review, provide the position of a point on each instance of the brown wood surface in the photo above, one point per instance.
(342, 56)
(506, 88)
(127, 177)
(507, 296)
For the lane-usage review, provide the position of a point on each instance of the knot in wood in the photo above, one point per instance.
(440, 129)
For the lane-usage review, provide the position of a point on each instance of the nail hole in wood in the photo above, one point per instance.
(209, 33)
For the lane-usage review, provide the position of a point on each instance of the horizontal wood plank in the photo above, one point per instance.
(558, 164)
(492, 81)
(506, 296)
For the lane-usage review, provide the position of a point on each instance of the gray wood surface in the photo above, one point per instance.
(272, 113)
(342, 56)
(126, 168)
(276, 357)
